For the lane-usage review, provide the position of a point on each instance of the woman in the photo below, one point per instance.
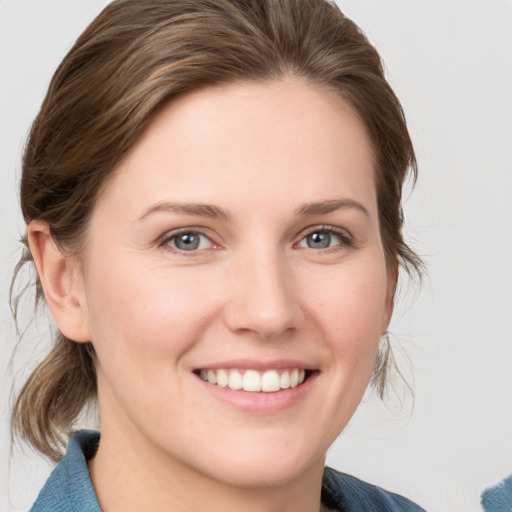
(212, 196)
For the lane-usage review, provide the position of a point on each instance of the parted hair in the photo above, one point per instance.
(134, 58)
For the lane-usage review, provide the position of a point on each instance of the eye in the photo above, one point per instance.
(187, 241)
(324, 238)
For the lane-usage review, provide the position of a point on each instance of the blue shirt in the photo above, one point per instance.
(499, 497)
(69, 487)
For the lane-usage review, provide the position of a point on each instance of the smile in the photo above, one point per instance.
(255, 381)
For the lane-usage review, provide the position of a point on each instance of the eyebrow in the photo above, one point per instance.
(202, 210)
(212, 211)
(324, 207)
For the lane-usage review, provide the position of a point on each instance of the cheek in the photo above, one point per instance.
(350, 307)
(138, 319)
(348, 310)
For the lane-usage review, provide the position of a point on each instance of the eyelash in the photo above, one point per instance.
(345, 238)
(165, 240)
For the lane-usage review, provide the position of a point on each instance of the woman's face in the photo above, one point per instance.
(238, 242)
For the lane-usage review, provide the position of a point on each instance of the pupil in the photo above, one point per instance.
(187, 242)
(319, 240)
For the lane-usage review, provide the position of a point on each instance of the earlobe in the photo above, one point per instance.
(61, 280)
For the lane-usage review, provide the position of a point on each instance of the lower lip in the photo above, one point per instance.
(260, 402)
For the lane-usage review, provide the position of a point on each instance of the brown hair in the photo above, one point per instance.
(135, 57)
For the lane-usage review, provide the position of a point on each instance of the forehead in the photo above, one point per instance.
(248, 140)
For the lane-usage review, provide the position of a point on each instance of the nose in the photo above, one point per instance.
(263, 297)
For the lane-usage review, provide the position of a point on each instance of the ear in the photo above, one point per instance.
(392, 278)
(62, 282)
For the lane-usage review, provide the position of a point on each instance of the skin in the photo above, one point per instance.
(254, 290)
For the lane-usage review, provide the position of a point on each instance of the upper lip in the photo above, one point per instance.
(251, 364)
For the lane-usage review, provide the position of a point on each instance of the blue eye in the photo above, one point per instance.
(188, 241)
(320, 240)
(324, 239)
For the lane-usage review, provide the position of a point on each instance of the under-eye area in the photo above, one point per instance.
(268, 381)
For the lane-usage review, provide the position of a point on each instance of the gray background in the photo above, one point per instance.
(450, 62)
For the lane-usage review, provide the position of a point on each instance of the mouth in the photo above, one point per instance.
(255, 381)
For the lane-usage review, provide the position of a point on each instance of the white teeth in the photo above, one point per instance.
(284, 381)
(222, 378)
(294, 379)
(254, 381)
(270, 381)
(235, 380)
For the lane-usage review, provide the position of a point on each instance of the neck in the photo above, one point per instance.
(134, 475)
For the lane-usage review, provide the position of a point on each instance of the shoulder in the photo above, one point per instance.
(69, 487)
(344, 492)
(499, 497)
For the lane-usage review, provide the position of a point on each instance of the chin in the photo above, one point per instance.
(261, 465)
(263, 473)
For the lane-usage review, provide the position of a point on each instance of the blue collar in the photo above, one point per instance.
(69, 487)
